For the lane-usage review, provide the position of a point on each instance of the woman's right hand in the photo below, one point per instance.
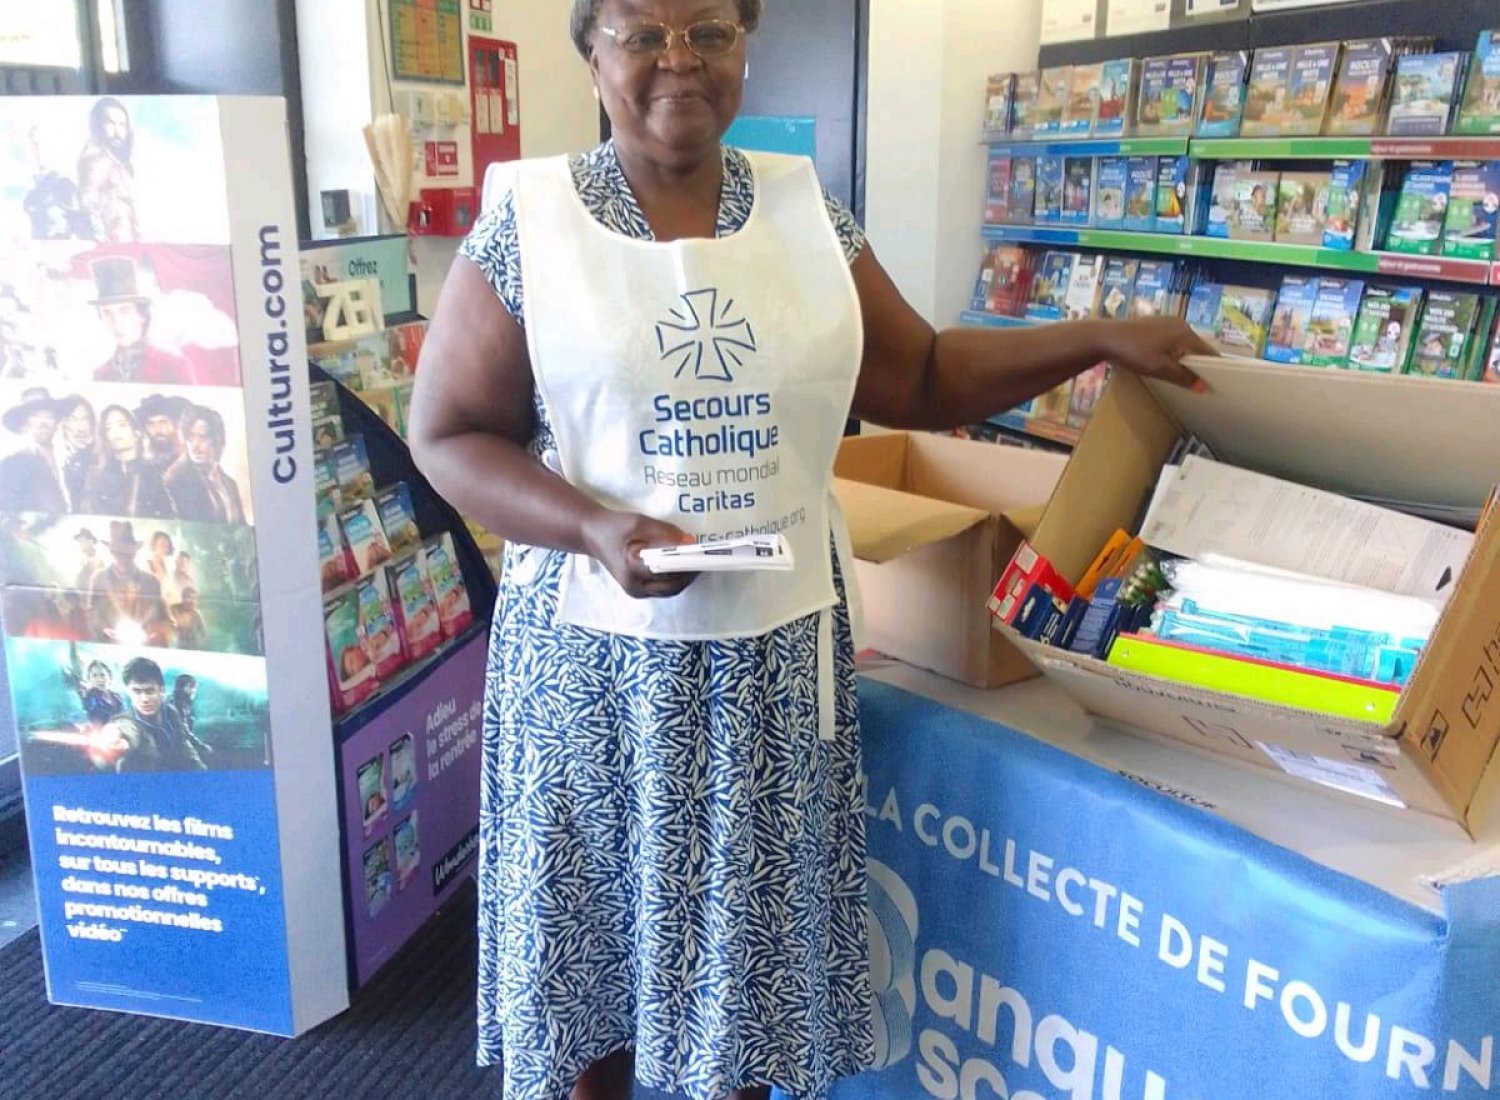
(616, 539)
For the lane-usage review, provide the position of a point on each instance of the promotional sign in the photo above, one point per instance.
(326, 265)
(411, 803)
(156, 510)
(1041, 927)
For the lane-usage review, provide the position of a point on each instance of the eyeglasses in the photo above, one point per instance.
(706, 38)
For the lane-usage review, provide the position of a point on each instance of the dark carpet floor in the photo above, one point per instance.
(409, 1034)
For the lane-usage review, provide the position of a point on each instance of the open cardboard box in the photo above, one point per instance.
(933, 520)
(1396, 438)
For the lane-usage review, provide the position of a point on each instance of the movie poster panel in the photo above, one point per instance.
(112, 449)
(84, 709)
(108, 169)
(73, 313)
(163, 583)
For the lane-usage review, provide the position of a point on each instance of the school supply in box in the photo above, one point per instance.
(1307, 622)
(1251, 678)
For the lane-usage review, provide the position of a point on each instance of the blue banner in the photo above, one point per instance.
(1042, 928)
(160, 893)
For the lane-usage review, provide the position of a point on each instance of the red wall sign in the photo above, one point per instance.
(495, 88)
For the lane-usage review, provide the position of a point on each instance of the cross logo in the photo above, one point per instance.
(706, 336)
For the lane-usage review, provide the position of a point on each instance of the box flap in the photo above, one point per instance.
(1026, 520)
(878, 459)
(1404, 438)
(1114, 469)
(994, 477)
(885, 523)
(1451, 709)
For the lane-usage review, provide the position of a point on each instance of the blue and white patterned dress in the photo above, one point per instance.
(670, 858)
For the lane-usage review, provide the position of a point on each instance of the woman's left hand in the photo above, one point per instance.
(1155, 347)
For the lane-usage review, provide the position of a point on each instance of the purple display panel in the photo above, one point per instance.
(411, 806)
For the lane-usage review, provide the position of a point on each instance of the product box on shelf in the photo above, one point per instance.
(933, 521)
(1356, 434)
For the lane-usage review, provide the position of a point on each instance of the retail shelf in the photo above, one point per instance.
(994, 320)
(1330, 148)
(1049, 430)
(1002, 145)
(1294, 255)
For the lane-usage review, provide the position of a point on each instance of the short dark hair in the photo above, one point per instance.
(586, 15)
(143, 670)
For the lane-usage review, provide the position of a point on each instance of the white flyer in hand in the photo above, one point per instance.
(721, 555)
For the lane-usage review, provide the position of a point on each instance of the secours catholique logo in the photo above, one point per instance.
(706, 335)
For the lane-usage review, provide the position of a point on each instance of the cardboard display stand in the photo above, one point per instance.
(158, 557)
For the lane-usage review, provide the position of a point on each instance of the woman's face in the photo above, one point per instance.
(161, 547)
(120, 434)
(672, 105)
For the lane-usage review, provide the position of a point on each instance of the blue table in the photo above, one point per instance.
(1042, 927)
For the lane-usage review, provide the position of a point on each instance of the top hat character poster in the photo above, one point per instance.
(111, 169)
(160, 315)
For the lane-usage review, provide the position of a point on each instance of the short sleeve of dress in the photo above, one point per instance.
(851, 236)
(494, 247)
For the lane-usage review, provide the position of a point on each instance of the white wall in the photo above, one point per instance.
(344, 88)
(924, 192)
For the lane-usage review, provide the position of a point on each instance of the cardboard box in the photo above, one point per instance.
(1395, 438)
(934, 520)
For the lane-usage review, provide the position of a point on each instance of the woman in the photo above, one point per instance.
(672, 844)
(122, 481)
